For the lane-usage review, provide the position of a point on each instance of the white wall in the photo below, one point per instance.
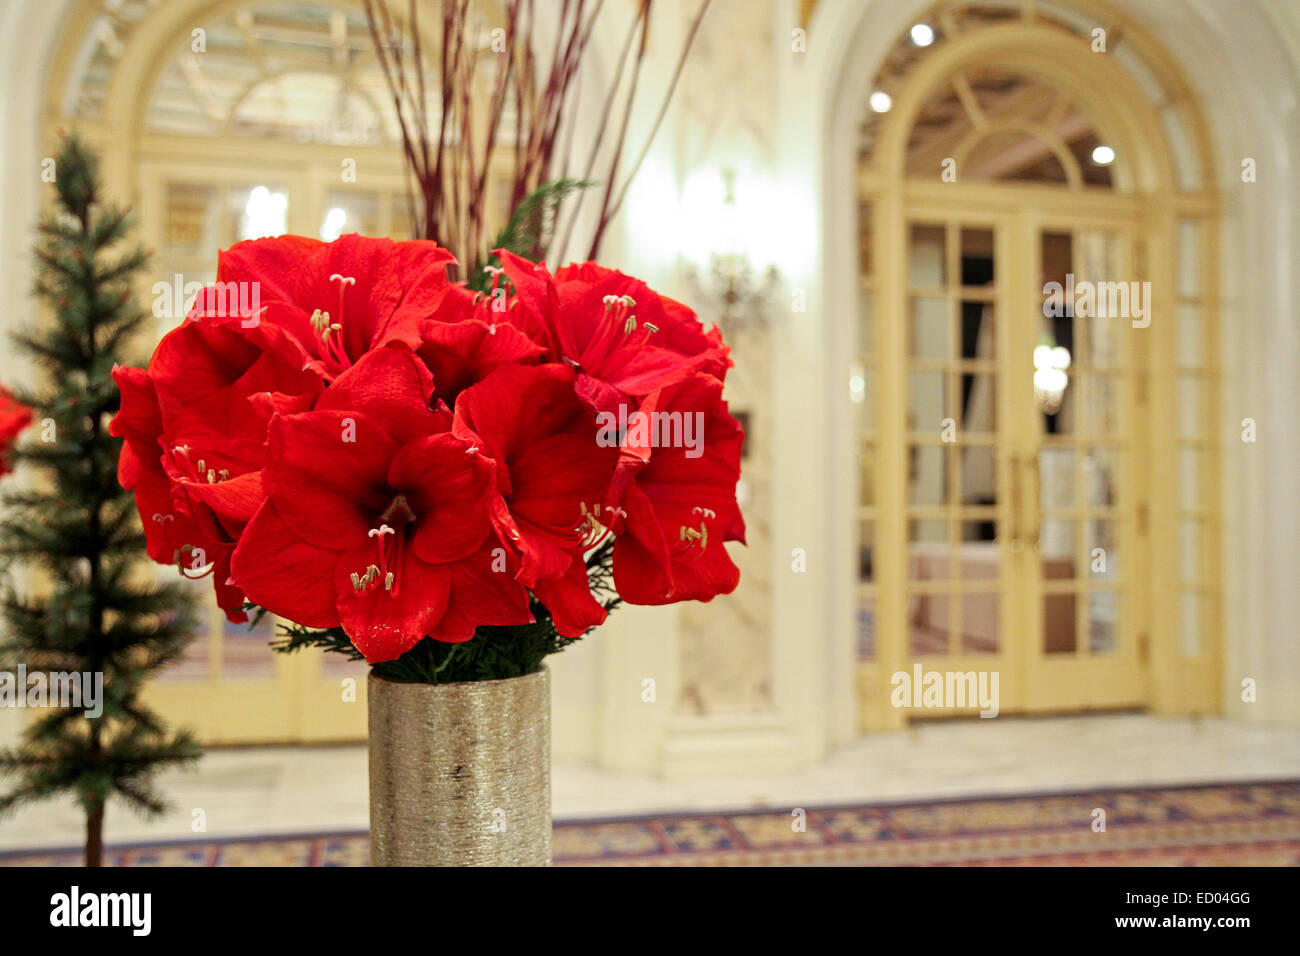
(1249, 82)
(27, 33)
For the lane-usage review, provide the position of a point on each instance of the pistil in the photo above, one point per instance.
(390, 543)
(692, 541)
(330, 329)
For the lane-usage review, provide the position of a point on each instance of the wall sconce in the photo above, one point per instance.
(1050, 378)
(728, 223)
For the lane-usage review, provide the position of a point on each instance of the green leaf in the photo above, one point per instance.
(530, 228)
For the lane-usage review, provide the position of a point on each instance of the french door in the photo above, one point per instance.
(1019, 516)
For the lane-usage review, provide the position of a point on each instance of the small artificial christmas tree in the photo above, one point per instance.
(87, 612)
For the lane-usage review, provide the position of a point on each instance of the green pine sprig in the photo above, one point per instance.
(530, 229)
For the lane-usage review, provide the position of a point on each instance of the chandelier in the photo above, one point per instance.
(1050, 378)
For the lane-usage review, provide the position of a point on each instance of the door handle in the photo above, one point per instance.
(1036, 483)
(1015, 503)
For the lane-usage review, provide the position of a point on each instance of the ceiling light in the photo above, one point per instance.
(922, 35)
(1103, 155)
(881, 101)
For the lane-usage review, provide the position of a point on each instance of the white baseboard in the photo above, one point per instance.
(728, 745)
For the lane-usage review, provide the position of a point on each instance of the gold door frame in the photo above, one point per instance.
(1148, 207)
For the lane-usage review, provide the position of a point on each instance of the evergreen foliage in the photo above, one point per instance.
(531, 227)
(88, 606)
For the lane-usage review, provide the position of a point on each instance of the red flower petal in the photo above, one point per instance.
(516, 405)
(139, 418)
(528, 419)
(166, 529)
(467, 352)
(546, 502)
(569, 599)
(195, 360)
(688, 494)
(535, 292)
(481, 594)
(285, 574)
(642, 568)
(385, 623)
(392, 386)
(235, 500)
(229, 598)
(327, 474)
(448, 489)
(274, 263)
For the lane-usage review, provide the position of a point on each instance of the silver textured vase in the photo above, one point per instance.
(460, 774)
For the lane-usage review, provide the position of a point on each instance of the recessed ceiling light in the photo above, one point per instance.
(881, 101)
(1103, 155)
(922, 35)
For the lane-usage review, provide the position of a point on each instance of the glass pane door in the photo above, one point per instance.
(954, 449)
(1083, 507)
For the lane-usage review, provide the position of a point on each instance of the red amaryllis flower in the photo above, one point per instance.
(377, 517)
(139, 467)
(681, 506)
(468, 338)
(624, 339)
(331, 303)
(195, 426)
(14, 417)
(552, 477)
(297, 434)
(214, 348)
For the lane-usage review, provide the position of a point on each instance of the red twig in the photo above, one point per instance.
(453, 172)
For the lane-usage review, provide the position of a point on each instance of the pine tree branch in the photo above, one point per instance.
(80, 526)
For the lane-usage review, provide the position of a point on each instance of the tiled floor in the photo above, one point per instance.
(312, 789)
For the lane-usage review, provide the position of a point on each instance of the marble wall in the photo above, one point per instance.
(725, 645)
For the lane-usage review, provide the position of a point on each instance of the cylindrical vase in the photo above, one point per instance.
(460, 774)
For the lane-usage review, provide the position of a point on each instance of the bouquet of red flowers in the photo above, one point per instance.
(341, 435)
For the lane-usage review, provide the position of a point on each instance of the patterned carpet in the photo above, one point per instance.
(1255, 824)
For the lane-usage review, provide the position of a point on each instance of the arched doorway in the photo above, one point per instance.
(1035, 380)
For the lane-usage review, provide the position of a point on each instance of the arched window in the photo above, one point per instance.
(234, 119)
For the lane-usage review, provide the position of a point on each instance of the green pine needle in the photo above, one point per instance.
(530, 228)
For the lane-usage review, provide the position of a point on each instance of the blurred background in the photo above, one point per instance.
(952, 461)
